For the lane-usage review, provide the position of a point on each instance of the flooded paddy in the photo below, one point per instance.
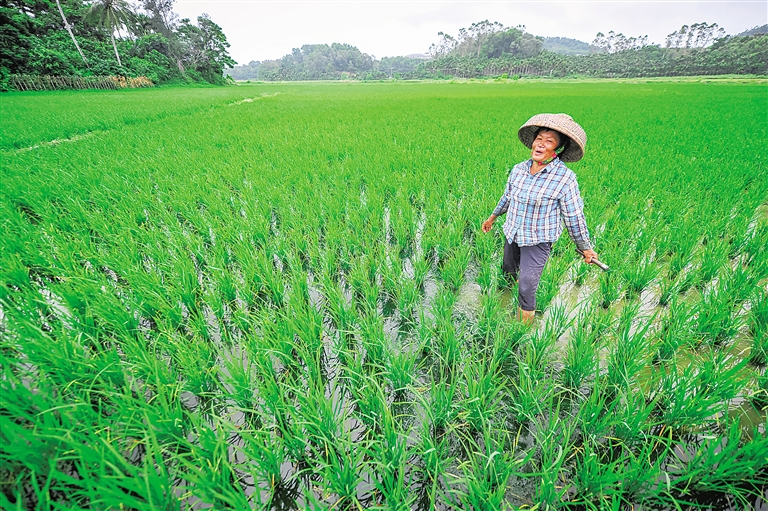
(297, 310)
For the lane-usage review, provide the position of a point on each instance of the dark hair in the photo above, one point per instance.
(564, 143)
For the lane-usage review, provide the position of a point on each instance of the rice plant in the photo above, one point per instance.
(280, 308)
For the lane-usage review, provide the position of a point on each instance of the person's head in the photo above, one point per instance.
(547, 143)
(569, 136)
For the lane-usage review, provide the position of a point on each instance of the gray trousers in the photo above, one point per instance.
(525, 265)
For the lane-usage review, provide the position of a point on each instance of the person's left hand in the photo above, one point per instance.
(589, 256)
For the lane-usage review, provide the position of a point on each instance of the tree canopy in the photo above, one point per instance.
(109, 37)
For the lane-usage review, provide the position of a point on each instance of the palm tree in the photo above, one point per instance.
(69, 29)
(111, 14)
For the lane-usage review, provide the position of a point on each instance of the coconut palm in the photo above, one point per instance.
(69, 29)
(111, 14)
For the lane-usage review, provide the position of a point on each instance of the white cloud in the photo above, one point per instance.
(260, 30)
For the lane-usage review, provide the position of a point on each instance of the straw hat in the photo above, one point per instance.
(561, 123)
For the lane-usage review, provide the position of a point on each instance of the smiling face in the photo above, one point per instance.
(544, 145)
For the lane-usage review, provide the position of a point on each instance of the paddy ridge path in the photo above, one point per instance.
(11, 146)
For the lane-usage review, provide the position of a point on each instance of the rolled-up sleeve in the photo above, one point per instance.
(572, 213)
(503, 204)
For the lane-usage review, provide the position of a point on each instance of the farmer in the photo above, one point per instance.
(539, 193)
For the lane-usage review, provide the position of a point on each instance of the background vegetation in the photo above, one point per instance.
(109, 37)
(491, 49)
(278, 296)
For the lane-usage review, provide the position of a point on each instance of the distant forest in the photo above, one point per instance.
(109, 37)
(491, 49)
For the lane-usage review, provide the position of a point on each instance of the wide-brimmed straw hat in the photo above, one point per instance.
(561, 123)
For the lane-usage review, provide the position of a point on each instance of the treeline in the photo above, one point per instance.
(326, 62)
(491, 49)
(734, 55)
(109, 38)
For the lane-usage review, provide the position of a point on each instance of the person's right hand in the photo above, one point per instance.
(488, 224)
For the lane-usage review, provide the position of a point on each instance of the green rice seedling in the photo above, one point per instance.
(400, 369)
(454, 266)
(337, 306)
(389, 461)
(758, 316)
(684, 245)
(598, 413)
(549, 284)
(635, 419)
(490, 318)
(208, 470)
(197, 361)
(675, 332)
(266, 455)
(628, 356)
(598, 473)
(488, 276)
(725, 466)
(639, 274)
(404, 229)
(483, 393)
(668, 289)
(447, 342)
(421, 268)
(449, 238)
(717, 320)
(442, 308)
(486, 247)
(740, 283)
(278, 339)
(758, 353)
(322, 418)
(487, 472)
(532, 395)
(435, 459)
(694, 396)
(408, 298)
(425, 333)
(299, 297)
(752, 244)
(92, 470)
(440, 407)
(506, 343)
(537, 351)
(609, 285)
(273, 394)
(390, 279)
(687, 280)
(373, 339)
(597, 481)
(342, 471)
(760, 397)
(448, 345)
(363, 283)
(580, 273)
(711, 259)
(368, 398)
(581, 353)
(553, 438)
(237, 382)
(205, 325)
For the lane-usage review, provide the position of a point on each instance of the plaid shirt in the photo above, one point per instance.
(535, 204)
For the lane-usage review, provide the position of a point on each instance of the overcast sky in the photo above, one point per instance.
(263, 29)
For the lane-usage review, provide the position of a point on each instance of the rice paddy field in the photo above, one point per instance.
(278, 296)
